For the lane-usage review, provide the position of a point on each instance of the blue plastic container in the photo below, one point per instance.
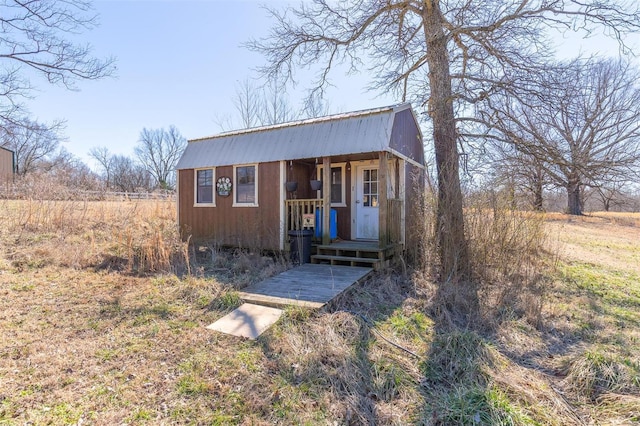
(333, 223)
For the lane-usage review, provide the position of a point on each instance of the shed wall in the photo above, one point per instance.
(248, 227)
(406, 137)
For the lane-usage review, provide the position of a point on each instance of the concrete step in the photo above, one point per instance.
(248, 321)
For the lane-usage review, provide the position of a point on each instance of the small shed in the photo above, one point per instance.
(353, 177)
(7, 165)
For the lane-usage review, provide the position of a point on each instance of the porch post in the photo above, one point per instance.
(326, 200)
(383, 226)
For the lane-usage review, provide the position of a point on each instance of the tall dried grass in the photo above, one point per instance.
(508, 255)
(506, 248)
(137, 237)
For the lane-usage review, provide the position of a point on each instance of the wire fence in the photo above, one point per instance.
(21, 192)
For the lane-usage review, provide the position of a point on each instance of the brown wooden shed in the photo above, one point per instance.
(237, 188)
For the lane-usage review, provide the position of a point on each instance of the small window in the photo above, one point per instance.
(204, 187)
(370, 188)
(338, 198)
(246, 186)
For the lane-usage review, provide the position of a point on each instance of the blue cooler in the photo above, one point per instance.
(333, 224)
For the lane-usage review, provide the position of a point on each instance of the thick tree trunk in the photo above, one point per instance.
(452, 244)
(537, 197)
(538, 200)
(574, 197)
(538, 179)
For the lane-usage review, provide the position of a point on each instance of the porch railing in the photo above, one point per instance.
(296, 211)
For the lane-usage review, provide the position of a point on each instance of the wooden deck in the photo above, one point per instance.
(307, 285)
(355, 253)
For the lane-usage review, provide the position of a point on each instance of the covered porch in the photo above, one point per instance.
(355, 214)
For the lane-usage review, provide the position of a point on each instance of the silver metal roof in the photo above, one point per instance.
(349, 133)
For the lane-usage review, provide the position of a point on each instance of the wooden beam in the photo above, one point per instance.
(326, 200)
(382, 199)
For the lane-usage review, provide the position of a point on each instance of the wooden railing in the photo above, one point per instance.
(394, 220)
(295, 211)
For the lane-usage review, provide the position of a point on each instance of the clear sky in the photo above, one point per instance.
(179, 63)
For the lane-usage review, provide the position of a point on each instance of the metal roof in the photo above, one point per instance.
(349, 133)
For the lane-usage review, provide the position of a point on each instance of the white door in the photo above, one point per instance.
(367, 202)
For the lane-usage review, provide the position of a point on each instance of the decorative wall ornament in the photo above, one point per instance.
(223, 186)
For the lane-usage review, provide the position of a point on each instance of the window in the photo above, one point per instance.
(338, 184)
(246, 186)
(370, 187)
(204, 187)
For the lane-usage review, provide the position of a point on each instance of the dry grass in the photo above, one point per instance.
(100, 323)
(137, 236)
(610, 240)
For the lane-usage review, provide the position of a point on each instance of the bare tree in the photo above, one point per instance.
(582, 132)
(611, 193)
(445, 56)
(128, 176)
(315, 106)
(32, 142)
(69, 171)
(524, 172)
(262, 106)
(276, 107)
(248, 102)
(34, 39)
(105, 159)
(159, 150)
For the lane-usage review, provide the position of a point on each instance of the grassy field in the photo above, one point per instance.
(103, 309)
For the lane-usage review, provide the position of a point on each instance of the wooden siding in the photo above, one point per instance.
(259, 227)
(301, 173)
(405, 136)
(248, 227)
(394, 220)
(6, 166)
(344, 213)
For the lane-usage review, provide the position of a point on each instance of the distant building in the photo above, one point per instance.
(7, 165)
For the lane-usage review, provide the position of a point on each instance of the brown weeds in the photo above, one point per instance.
(137, 236)
(98, 325)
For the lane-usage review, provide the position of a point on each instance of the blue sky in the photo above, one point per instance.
(179, 63)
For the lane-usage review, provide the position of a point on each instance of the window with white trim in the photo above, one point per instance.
(204, 187)
(246, 185)
(338, 184)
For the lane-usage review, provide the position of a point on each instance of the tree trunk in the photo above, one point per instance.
(537, 197)
(574, 198)
(538, 178)
(452, 245)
